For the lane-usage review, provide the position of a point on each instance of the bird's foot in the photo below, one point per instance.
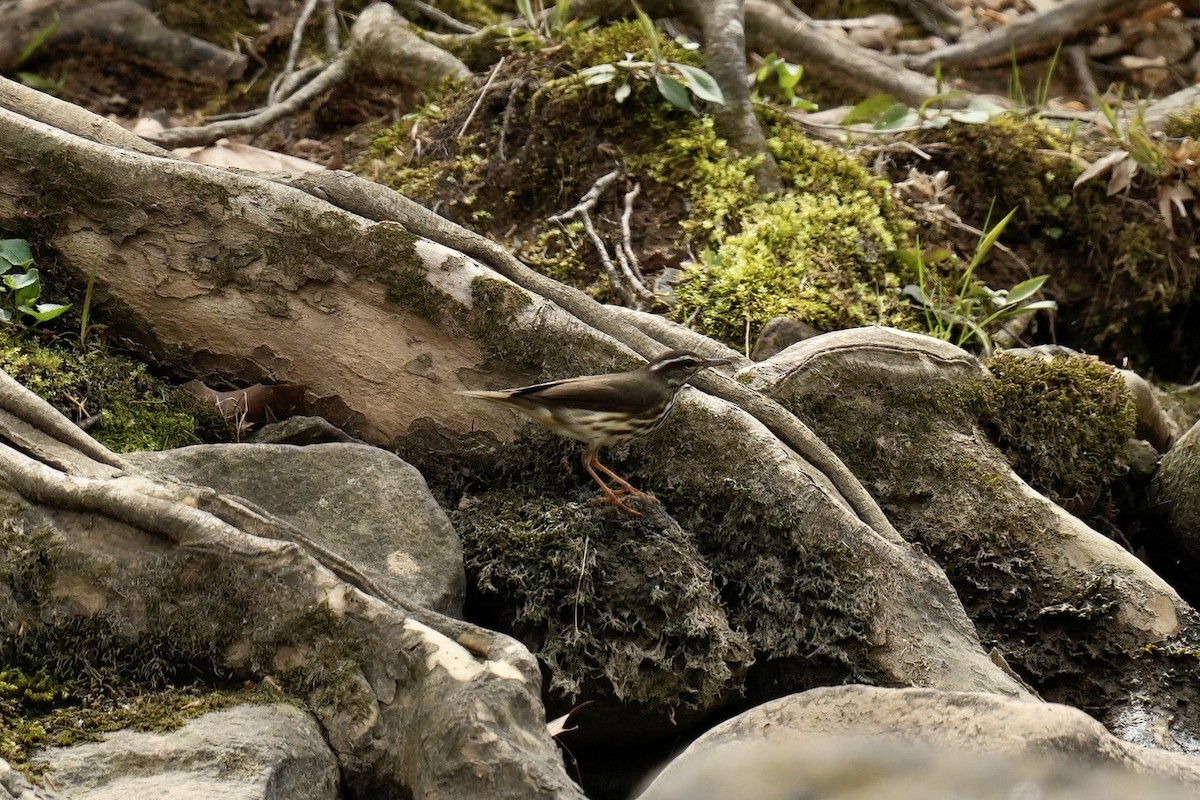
(615, 502)
(626, 489)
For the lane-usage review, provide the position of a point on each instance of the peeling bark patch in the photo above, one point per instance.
(446, 653)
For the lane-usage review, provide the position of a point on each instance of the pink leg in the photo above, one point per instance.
(625, 486)
(609, 494)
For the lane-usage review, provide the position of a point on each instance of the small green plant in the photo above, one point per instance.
(785, 76)
(885, 113)
(1171, 165)
(675, 82)
(542, 28)
(84, 330)
(969, 309)
(1016, 92)
(22, 289)
(30, 48)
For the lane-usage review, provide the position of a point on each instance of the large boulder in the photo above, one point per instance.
(856, 741)
(363, 503)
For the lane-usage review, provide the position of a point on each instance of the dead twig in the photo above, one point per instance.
(624, 283)
(482, 94)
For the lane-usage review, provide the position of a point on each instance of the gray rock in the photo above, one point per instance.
(778, 334)
(820, 767)
(786, 743)
(301, 430)
(363, 503)
(273, 752)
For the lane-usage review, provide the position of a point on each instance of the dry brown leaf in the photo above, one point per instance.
(1122, 176)
(1175, 193)
(1100, 167)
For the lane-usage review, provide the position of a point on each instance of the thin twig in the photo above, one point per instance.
(582, 212)
(579, 584)
(482, 94)
(294, 48)
(1077, 54)
(437, 15)
(506, 118)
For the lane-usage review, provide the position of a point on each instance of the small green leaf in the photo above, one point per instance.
(869, 110)
(44, 312)
(701, 83)
(898, 116)
(1026, 289)
(526, 9)
(673, 92)
(38, 39)
(20, 280)
(5, 315)
(16, 252)
(789, 75)
(26, 288)
(1039, 305)
(916, 293)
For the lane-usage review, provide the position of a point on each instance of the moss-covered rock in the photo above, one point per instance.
(611, 611)
(1063, 422)
(150, 647)
(131, 409)
(1119, 276)
(818, 251)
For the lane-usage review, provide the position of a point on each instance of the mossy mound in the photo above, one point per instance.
(1062, 421)
(1120, 277)
(133, 410)
(74, 679)
(612, 611)
(818, 251)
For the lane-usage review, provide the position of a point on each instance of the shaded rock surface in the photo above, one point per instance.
(1176, 490)
(273, 752)
(363, 503)
(1056, 598)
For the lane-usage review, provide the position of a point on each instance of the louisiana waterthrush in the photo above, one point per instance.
(605, 410)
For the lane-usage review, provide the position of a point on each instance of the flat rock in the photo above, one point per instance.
(788, 740)
(270, 752)
(363, 503)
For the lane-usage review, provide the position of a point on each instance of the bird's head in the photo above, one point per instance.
(676, 367)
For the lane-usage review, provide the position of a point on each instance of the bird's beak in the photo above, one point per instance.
(717, 362)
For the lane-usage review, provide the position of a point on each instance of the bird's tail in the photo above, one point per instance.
(485, 395)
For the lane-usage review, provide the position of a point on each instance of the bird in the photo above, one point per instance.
(606, 410)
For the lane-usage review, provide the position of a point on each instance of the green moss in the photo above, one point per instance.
(135, 410)
(221, 20)
(1011, 162)
(598, 602)
(52, 716)
(1062, 421)
(70, 676)
(815, 252)
(1183, 124)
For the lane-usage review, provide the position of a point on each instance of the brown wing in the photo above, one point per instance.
(623, 391)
